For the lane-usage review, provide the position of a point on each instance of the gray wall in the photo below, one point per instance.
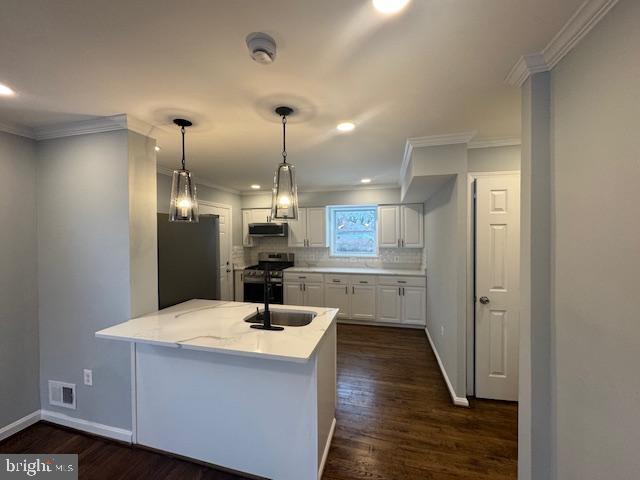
(208, 194)
(18, 280)
(494, 159)
(84, 270)
(596, 244)
(442, 288)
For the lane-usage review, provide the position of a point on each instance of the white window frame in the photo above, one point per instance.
(330, 220)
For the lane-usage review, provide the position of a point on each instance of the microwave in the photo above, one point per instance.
(268, 229)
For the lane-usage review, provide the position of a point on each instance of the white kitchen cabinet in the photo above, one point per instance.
(363, 302)
(401, 226)
(303, 289)
(293, 294)
(247, 241)
(413, 305)
(260, 215)
(412, 226)
(337, 296)
(309, 230)
(389, 226)
(389, 304)
(238, 285)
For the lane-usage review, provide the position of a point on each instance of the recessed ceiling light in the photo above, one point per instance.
(6, 91)
(390, 6)
(365, 180)
(255, 186)
(157, 148)
(345, 127)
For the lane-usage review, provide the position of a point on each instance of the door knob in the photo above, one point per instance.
(484, 300)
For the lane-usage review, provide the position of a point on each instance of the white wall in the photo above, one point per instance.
(596, 306)
(356, 196)
(210, 195)
(96, 254)
(19, 361)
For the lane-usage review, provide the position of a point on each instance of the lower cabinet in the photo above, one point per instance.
(387, 299)
(238, 286)
(304, 291)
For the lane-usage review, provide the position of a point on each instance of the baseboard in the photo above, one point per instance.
(20, 424)
(459, 401)
(94, 428)
(327, 446)
(373, 323)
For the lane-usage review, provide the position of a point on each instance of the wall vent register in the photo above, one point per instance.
(62, 394)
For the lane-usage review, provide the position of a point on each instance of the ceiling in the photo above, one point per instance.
(437, 67)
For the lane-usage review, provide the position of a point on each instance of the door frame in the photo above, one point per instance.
(471, 275)
(230, 208)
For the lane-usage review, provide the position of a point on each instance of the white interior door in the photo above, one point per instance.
(497, 286)
(226, 242)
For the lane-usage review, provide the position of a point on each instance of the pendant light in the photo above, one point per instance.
(184, 204)
(284, 203)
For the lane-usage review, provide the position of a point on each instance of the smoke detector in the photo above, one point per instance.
(262, 47)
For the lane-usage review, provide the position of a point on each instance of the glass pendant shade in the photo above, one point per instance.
(284, 204)
(184, 203)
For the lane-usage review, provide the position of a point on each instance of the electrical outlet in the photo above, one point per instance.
(442, 330)
(88, 377)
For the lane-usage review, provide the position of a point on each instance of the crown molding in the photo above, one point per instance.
(577, 27)
(431, 141)
(495, 142)
(17, 130)
(199, 180)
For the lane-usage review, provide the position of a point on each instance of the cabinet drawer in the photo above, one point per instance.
(402, 281)
(363, 279)
(303, 277)
(337, 278)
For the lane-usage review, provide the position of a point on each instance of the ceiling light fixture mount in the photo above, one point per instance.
(346, 127)
(184, 203)
(6, 91)
(284, 202)
(365, 180)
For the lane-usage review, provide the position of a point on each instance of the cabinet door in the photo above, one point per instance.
(247, 241)
(298, 229)
(389, 304)
(260, 215)
(314, 295)
(363, 302)
(316, 232)
(238, 287)
(413, 305)
(412, 231)
(388, 226)
(337, 296)
(293, 294)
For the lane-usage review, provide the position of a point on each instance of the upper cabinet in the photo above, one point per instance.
(401, 226)
(309, 230)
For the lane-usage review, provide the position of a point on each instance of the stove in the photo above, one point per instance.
(253, 277)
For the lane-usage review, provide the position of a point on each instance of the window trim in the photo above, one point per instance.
(330, 221)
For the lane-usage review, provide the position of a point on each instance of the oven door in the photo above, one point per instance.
(254, 293)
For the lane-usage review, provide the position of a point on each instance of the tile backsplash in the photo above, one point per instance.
(319, 257)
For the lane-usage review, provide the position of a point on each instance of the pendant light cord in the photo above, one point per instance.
(284, 139)
(183, 165)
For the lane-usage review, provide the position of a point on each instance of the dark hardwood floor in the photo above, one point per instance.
(394, 421)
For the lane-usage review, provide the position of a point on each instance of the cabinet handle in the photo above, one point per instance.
(302, 277)
(403, 242)
(304, 287)
(346, 290)
(403, 291)
(402, 281)
(399, 291)
(363, 281)
(398, 243)
(353, 289)
(335, 281)
(300, 287)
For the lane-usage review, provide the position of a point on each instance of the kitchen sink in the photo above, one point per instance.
(285, 318)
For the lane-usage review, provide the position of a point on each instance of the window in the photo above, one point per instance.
(353, 231)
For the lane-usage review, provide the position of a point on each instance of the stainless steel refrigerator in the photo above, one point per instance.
(188, 260)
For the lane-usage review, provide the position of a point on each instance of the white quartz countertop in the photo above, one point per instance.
(219, 326)
(358, 270)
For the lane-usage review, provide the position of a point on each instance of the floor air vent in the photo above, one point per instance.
(62, 394)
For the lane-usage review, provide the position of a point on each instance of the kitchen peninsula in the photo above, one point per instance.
(209, 387)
